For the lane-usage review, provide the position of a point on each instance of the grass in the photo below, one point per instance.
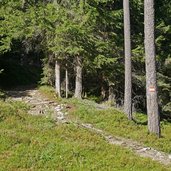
(38, 143)
(49, 92)
(117, 124)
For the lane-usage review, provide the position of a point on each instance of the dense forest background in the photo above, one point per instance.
(34, 34)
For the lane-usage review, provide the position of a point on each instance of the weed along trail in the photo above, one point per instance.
(41, 105)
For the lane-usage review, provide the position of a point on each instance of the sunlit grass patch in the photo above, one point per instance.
(116, 123)
(49, 92)
(38, 143)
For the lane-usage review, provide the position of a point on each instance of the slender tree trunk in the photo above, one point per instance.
(57, 79)
(128, 72)
(103, 92)
(151, 83)
(23, 4)
(67, 82)
(111, 98)
(55, 2)
(78, 81)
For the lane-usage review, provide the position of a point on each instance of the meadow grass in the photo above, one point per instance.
(116, 123)
(38, 143)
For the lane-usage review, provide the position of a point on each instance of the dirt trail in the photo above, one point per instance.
(39, 104)
(43, 106)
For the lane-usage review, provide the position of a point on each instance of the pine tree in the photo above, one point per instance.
(128, 72)
(151, 82)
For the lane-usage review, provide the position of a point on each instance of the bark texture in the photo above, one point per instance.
(78, 81)
(111, 98)
(57, 79)
(23, 4)
(151, 84)
(67, 82)
(55, 2)
(128, 72)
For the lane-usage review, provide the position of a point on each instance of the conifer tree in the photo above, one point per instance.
(151, 81)
(128, 72)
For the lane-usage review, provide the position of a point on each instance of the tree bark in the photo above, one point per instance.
(151, 83)
(128, 72)
(57, 79)
(55, 2)
(111, 98)
(78, 81)
(23, 4)
(67, 82)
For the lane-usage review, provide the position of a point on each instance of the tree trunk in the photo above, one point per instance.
(55, 2)
(111, 98)
(57, 79)
(103, 92)
(128, 72)
(67, 82)
(78, 81)
(151, 83)
(23, 4)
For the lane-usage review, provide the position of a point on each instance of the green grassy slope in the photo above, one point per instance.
(37, 143)
(116, 123)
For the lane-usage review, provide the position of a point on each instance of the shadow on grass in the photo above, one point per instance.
(140, 122)
(163, 118)
(166, 117)
(20, 91)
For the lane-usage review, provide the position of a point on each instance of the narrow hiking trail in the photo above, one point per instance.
(40, 105)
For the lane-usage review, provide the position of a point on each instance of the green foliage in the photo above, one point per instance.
(11, 24)
(167, 108)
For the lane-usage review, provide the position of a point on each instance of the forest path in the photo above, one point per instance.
(40, 105)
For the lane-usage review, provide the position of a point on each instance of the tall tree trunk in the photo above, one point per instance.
(57, 79)
(103, 92)
(78, 81)
(128, 72)
(151, 83)
(67, 82)
(23, 4)
(55, 2)
(111, 98)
